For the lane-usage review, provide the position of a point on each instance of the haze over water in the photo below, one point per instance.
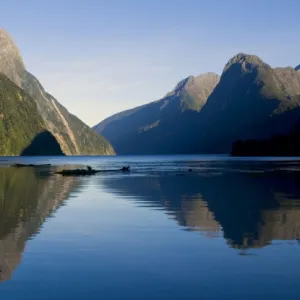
(229, 229)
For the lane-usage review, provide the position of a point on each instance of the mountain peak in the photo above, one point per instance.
(297, 68)
(246, 61)
(188, 82)
(181, 85)
(11, 63)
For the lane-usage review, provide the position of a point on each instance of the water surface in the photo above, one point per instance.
(229, 229)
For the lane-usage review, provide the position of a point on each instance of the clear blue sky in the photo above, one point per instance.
(99, 57)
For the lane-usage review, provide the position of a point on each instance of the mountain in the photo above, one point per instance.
(297, 68)
(206, 114)
(151, 128)
(73, 136)
(21, 123)
(252, 100)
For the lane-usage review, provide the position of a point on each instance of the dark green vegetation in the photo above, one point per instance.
(279, 145)
(20, 121)
(22, 129)
(73, 136)
(250, 101)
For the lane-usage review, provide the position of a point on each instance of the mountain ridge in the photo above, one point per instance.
(74, 137)
(186, 97)
(250, 100)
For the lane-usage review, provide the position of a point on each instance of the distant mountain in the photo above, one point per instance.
(207, 114)
(151, 128)
(73, 135)
(297, 68)
(252, 100)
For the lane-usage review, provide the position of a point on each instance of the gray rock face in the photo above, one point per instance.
(11, 63)
(245, 62)
(74, 136)
(131, 131)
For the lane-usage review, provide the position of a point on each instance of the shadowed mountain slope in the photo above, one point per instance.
(206, 114)
(149, 128)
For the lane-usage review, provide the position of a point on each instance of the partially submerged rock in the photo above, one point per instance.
(89, 171)
(30, 165)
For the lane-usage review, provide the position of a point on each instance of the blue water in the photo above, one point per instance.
(229, 229)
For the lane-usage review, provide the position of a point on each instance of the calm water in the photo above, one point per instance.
(230, 229)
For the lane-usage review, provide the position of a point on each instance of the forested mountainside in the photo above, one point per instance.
(73, 136)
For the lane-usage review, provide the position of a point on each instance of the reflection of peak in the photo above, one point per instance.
(252, 211)
(21, 217)
(195, 215)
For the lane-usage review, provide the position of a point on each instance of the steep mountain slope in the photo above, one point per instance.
(73, 135)
(149, 128)
(20, 121)
(252, 100)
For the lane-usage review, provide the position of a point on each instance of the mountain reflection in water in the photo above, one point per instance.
(251, 206)
(27, 197)
(251, 209)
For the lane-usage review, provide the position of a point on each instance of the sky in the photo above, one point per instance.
(99, 57)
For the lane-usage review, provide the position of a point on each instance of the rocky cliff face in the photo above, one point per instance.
(148, 128)
(11, 62)
(74, 137)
